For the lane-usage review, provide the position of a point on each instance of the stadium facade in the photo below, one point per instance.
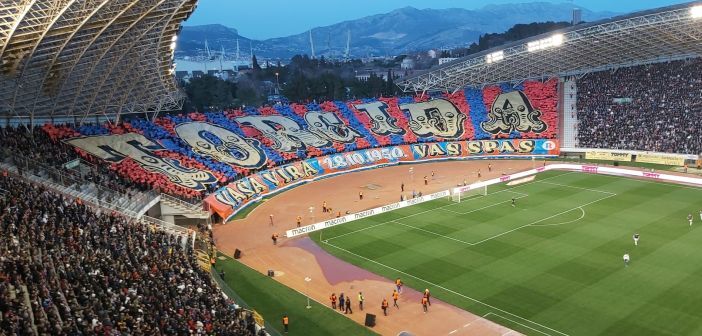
(74, 59)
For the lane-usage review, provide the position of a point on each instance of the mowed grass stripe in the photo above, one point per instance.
(571, 277)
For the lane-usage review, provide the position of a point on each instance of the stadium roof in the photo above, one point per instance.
(658, 35)
(77, 58)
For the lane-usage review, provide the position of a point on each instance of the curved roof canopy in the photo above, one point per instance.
(77, 58)
(645, 37)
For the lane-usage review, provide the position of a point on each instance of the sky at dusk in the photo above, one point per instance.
(276, 18)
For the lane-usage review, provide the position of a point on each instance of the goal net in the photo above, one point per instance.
(461, 193)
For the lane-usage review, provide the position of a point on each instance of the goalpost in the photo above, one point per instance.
(461, 193)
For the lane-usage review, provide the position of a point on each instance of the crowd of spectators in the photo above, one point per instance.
(654, 107)
(66, 269)
(44, 144)
(28, 147)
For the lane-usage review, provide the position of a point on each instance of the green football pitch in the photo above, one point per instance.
(552, 264)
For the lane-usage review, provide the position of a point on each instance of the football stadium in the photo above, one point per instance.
(548, 185)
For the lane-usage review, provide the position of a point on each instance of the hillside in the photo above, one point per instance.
(402, 30)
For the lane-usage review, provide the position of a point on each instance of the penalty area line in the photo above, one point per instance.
(447, 205)
(582, 215)
(581, 188)
(447, 289)
(513, 321)
(543, 219)
(487, 206)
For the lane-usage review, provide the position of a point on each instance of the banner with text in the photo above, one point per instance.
(670, 160)
(230, 199)
(607, 156)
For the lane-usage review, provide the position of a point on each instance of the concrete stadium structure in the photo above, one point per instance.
(72, 59)
(658, 35)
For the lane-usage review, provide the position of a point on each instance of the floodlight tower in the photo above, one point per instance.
(348, 45)
(221, 60)
(312, 45)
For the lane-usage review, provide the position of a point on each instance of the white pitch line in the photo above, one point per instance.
(487, 206)
(434, 233)
(523, 325)
(390, 221)
(568, 222)
(445, 289)
(541, 220)
(441, 207)
(523, 226)
(581, 188)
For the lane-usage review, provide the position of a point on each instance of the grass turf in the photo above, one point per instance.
(272, 300)
(552, 265)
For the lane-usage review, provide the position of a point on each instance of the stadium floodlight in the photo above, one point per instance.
(173, 45)
(696, 11)
(549, 42)
(557, 40)
(174, 38)
(495, 57)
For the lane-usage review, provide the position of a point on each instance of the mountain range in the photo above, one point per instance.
(402, 30)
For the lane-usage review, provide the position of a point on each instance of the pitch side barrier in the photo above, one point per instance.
(364, 214)
(592, 169)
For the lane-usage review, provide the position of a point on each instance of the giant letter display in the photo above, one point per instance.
(438, 117)
(501, 118)
(222, 145)
(287, 134)
(382, 123)
(328, 125)
(232, 198)
(513, 111)
(115, 148)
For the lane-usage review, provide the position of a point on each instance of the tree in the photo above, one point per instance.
(248, 92)
(390, 89)
(254, 63)
(209, 93)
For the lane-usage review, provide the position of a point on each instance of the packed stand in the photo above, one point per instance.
(650, 107)
(68, 270)
(474, 104)
(24, 147)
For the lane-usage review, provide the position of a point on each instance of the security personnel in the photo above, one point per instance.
(384, 306)
(360, 301)
(274, 237)
(332, 298)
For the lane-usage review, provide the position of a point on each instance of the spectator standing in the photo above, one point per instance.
(332, 298)
(348, 306)
(360, 301)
